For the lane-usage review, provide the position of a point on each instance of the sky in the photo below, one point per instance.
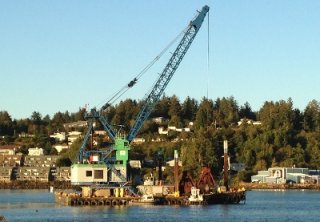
(63, 55)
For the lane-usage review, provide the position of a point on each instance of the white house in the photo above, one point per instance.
(35, 151)
(59, 148)
(171, 163)
(138, 140)
(78, 124)
(73, 136)
(59, 136)
(162, 131)
(159, 120)
(100, 132)
(249, 122)
(8, 149)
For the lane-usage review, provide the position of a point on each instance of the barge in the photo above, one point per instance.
(75, 199)
(184, 192)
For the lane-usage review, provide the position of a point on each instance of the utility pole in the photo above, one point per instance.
(176, 172)
(225, 164)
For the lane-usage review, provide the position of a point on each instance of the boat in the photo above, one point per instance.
(195, 196)
(225, 197)
(146, 199)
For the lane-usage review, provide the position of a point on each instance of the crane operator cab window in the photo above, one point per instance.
(89, 173)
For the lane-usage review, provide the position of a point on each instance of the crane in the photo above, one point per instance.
(122, 143)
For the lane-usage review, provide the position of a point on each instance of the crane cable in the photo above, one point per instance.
(125, 88)
(208, 67)
(208, 56)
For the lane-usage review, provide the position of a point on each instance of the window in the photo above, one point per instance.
(88, 173)
(98, 174)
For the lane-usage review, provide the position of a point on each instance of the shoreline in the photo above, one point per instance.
(35, 185)
(30, 185)
(264, 186)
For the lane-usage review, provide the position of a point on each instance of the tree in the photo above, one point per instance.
(175, 107)
(23, 149)
(249, 158)
(6, 125)
(126, 111)
(57, 122)
(260, 165)
(47, 150)
(226, 111)
(162, 108)
(245, 111)
(36, 118)
(78, 116)
(176, 121)
(63, 162)
(36, 121)
(278, 115)
(189, 109)
(204, 117)
(203, 149)
(21, 126)
(73, 152)
(312, 150)
(311, 120)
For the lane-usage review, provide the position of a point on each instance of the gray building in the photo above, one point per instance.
(281, 175)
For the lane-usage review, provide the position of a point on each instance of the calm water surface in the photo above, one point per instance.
(26, 205)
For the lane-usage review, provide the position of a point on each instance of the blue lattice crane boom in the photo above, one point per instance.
(167, 73)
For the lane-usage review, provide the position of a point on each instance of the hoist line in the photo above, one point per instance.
(208, 66)
(208, 55)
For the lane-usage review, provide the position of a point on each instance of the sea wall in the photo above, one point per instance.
(36, 185)
(266, 186)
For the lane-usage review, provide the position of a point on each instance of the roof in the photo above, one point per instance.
(299, 174)
(77, 165)
(9, 147)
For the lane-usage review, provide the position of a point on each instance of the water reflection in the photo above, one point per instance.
(260, 206)
(25, 205)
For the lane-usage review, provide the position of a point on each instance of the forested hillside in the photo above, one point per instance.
(286, 136)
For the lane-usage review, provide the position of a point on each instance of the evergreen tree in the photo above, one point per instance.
(245, 111)
(204, 117)
(311, 121)
(6, 124)
(189, 109)
(226, 111)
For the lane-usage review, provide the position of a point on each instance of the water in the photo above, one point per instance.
(28, 205)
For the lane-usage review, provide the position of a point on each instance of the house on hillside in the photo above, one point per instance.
(35, 151)
(138, 140)
(73, 136)
(159, 120)
(61, 147)
(59, 137)
(249, 122)
(11, 160)
(9, 149)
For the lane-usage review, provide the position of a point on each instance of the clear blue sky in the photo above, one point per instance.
(60, 55)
